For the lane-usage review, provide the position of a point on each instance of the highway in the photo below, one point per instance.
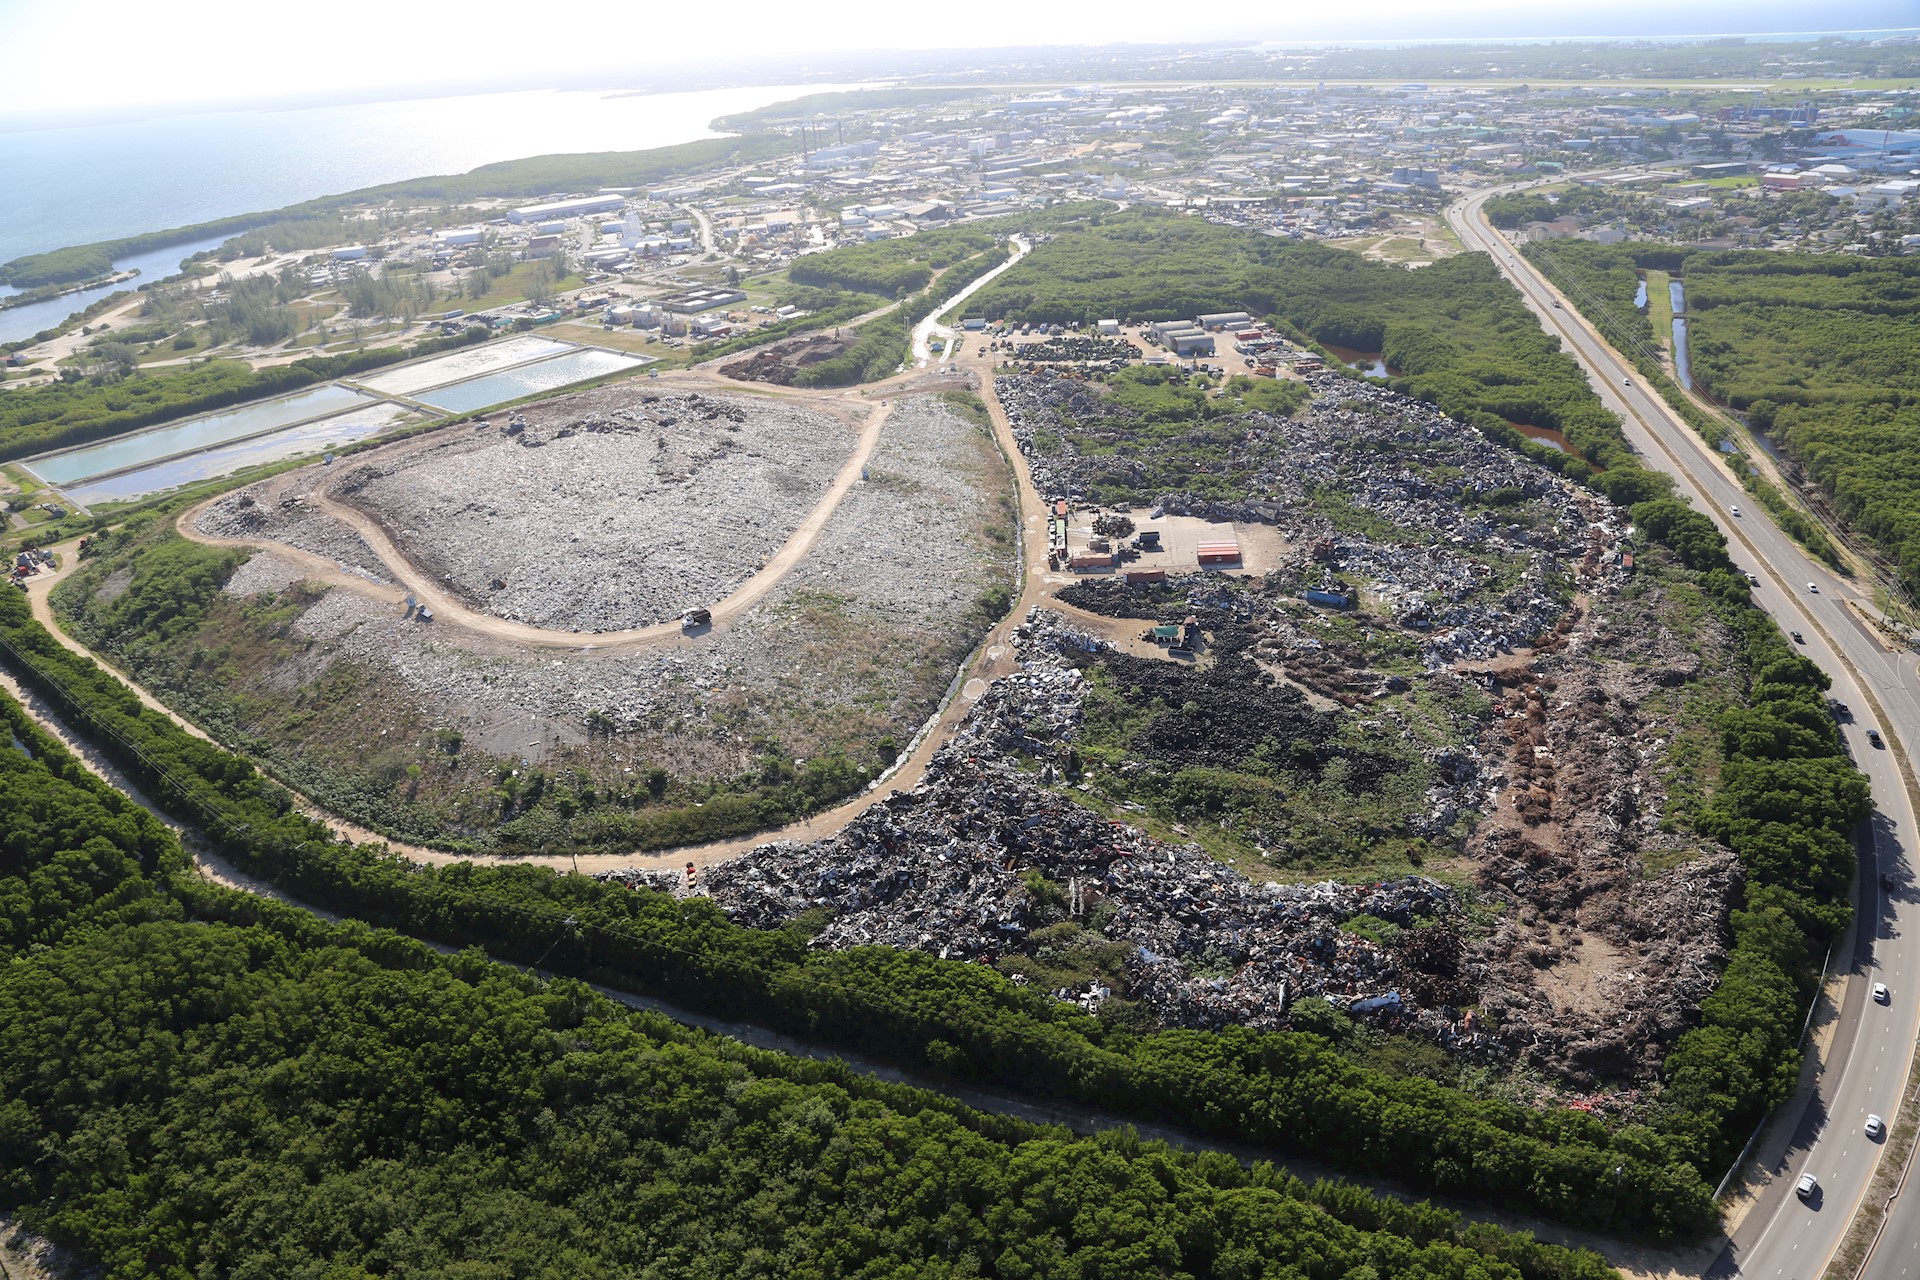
(1866, 1069)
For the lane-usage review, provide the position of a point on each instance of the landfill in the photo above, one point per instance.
(1573, 936)
(947, 868)
(1453, 535)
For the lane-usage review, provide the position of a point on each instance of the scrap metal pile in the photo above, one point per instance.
(948, 868)
(1454, 536)
(1523, 747)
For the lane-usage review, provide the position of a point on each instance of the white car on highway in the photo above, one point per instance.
(1876, 1128)
(1880, 994)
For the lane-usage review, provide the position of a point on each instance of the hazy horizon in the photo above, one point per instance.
(239, 56)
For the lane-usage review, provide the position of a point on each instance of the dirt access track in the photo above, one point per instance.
(450, 612)
(993, 659)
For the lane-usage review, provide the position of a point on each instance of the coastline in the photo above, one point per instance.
(529, 174)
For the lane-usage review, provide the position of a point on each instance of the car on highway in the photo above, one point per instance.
(1814, 587)
(1881, 995)
(1557, 306)
(1873, 736)
(1876, 1128)
(1808, 1187)
(1754, 578)
(1735, 508)
(1626, 382)
(1798, 638)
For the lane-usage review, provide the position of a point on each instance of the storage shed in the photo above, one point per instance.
(1218, 553)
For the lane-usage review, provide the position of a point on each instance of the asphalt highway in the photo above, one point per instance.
(1783, 1237)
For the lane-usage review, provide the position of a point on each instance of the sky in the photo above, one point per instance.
(61, 57)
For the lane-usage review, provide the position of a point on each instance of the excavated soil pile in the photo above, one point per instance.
(781, 363)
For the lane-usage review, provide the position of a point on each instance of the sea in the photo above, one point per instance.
(71, 186)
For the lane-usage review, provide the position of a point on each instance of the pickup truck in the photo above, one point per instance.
(695, 618)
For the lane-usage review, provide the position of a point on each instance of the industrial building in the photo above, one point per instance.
(575, 208)
(1182, 337)
(694, 300)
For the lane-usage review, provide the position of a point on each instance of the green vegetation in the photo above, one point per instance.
(1512, 211)
(1286, 1091)
(892, 268)
(293, 235)
(1787, 801)
(198, 1082)
(1818, 351)
(1457, 332)
(59, 266)
(63, 414)
(1854, 422)
(882, 342)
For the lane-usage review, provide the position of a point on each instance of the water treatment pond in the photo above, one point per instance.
(305, 437)
(528, 379)
(460, 365)
(143, 447)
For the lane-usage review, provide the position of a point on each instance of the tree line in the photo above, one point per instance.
(195, 1081)
(1815, 350)
(1285, 1091)
(1788, 801)
(891, 268)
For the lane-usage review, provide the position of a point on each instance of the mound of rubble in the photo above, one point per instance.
(949, 868)
(606, 509)
(1456, 539)
(781, 363)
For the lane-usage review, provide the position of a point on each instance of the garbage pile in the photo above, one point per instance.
(1075, 347)
(981, 855)
(781, 363)
(1453, 537)
(977, 858)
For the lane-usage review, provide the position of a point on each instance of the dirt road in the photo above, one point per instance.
(993, 659)
(450, 612)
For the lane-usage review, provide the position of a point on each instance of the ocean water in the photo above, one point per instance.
(77, 185)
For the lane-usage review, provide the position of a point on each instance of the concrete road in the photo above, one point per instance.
(1866, 1068)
